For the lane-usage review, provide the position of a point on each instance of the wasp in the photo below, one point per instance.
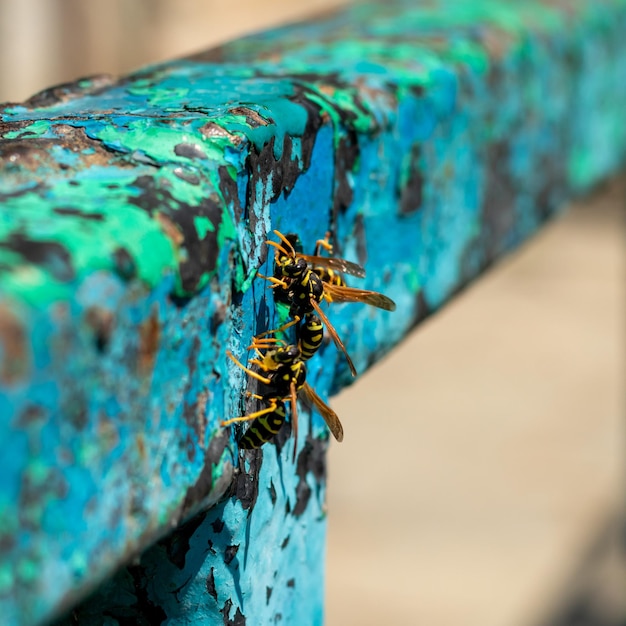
(310, 334)
(284, 374)
(328, 275)
(304, 287)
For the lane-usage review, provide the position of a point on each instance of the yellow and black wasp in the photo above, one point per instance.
(284, 374)
(327, 274)
(304, 281)
(310, 334)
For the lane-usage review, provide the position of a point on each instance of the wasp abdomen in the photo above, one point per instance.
(263, 428)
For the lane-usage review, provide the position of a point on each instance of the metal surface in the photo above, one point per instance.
(430, 140)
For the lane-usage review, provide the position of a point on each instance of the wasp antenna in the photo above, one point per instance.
(280, 248)
(286, 242)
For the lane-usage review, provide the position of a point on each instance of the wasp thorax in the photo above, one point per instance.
(292, 268)
(287, 354)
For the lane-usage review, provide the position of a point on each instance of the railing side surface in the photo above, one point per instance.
(430, 139)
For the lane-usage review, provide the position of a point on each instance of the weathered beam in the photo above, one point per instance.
(430, 140)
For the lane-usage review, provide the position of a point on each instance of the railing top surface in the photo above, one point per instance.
(78, 157)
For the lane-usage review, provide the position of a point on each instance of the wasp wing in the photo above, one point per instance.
(333, 333)
(294, 418)
(333, 263)
(340, 293)
(330, 417)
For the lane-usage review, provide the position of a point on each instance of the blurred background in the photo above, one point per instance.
(481, 479)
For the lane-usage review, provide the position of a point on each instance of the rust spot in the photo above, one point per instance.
(141, 446)
(30, 415)
(26, 154)
(14, 352)
(252, 117)
(201, 402)
(497, 42)
(211, 129)
(149, 335)
(101, 322)
(65, 92)
(12, 126)
(170, 228)
(108, 434)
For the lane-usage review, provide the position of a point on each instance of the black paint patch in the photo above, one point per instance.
(314, 122)
(178, 222)
(75, 406)
(189, 151)
(228, 187)
(311, 459)
(49, 255)
(246, 487)
(187, 175)
(217, 526)
(210, 584)
(124, 264)
(268, 594)
(203, 485)
(412, 194)
(285, 542)
(291, 583)
(422, 308)
(498, 210)
(238, 620)
(218, 317)
(553, 190)
(346, 158)
(96, 217)
(361, 241)
(272, 491)
(230, 553)
(177, 545)
(145, 611)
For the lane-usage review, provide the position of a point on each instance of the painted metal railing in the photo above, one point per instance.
(429, 140)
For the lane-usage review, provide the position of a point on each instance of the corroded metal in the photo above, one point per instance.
(429, 139)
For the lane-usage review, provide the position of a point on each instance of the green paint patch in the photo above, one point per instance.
(36, 129)
(203, 225)
(412, 282)
(165, 98)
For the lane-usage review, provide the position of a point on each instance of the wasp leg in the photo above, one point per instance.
(282, 328)
(251, 416)
(247, 370)
(323, 243)
(256, 396)
(276, 282)
(266, 343)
